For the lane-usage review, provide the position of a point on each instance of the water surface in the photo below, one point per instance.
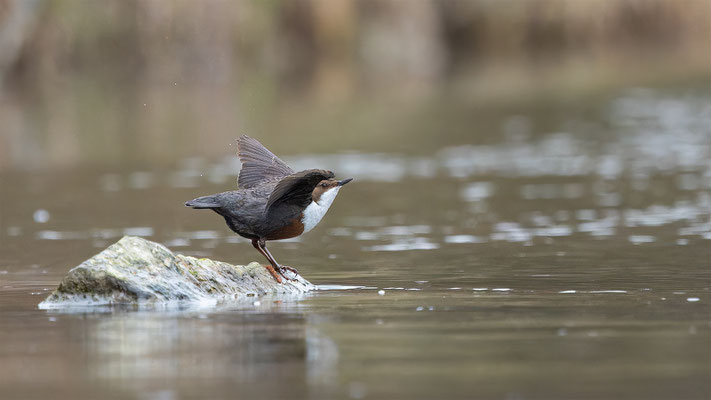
(569, 258)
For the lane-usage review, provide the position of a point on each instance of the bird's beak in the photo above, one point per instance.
(343, 182)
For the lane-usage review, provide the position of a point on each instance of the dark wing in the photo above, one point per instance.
(258, 164)
(296, 189)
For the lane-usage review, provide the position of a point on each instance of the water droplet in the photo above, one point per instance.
(381, 292)
(41, 216)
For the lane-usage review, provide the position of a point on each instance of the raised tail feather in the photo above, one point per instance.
(204, 202)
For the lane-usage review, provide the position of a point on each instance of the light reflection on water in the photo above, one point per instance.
(655, 135)
(499, 266)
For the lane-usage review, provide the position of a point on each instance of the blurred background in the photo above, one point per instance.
(532, 195)
(151, 82)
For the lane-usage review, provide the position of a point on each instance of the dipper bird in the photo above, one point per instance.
(272, 201)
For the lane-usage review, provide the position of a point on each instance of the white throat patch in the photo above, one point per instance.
(315, 211)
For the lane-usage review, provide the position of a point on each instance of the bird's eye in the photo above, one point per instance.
(323, 185)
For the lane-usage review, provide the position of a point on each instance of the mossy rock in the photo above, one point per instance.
(135, 270)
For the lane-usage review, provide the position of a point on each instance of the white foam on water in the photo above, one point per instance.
(607, 291)
(639, 239)
(405, 230)
(458, 239)
(418, 243)
(364, 235)
(177, 242)
(138, 231)
(199, 235)
(61, 235)
(476, 191)
(339, 287)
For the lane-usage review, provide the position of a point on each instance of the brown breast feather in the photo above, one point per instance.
(293, 229)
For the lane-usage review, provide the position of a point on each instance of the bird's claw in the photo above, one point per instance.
(280, 272)
(284, 268)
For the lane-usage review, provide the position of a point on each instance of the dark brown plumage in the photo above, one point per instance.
(272, 201)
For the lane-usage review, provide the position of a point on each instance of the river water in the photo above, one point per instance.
(567, 262)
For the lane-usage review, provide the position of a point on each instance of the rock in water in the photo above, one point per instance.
(135, 270)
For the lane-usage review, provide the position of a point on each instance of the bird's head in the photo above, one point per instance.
(327, 189)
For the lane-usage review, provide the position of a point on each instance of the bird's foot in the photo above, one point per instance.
(273, 272)
(283, 269)
(290, 269)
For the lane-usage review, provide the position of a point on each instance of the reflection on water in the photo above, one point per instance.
(265, 342)
(545, 265)
(324, 344)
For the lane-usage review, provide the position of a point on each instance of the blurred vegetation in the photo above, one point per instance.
(124, 82)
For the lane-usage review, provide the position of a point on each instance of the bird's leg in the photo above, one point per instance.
(279, 268)
(269, 268)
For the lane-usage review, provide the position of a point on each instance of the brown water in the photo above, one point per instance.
(560, 255)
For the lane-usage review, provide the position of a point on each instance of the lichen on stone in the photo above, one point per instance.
(138, 270)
